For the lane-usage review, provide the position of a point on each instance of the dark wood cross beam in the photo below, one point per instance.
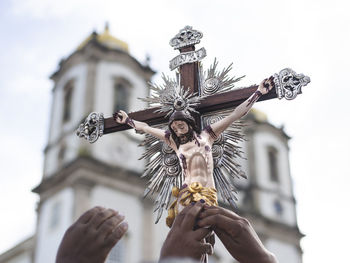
(211, 103)
(289, 86)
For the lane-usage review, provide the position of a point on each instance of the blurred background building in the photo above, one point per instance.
(101, 75)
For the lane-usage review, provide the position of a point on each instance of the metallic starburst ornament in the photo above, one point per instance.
(226, 153)
(171, 97)
(163, 168)
(215, 81)
(226, 148)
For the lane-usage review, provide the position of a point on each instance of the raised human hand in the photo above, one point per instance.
(120, 117)
(182, 240)
(266, 85)
(237, 235)
(92, 236)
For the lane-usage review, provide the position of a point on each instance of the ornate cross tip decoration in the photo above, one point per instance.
(185, 38)
(92, 128)
(289, 84)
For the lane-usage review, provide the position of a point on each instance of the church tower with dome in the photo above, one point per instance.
(102, 76)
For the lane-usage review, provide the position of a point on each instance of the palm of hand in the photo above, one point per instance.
(266, 85)
(120, 117)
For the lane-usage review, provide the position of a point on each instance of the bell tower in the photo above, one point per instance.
(267, 197)
(100, 75)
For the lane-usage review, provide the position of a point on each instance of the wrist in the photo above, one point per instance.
(258, 92)
(130, 122)
(253, 98)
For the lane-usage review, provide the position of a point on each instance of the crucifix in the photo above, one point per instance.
(192, 134)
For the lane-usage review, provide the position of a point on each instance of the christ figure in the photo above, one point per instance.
(193, 149)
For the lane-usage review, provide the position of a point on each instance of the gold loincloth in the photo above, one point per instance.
(192, 193)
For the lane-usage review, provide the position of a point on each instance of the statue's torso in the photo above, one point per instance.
(196, 160)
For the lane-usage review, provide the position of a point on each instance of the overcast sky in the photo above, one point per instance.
(259, 37)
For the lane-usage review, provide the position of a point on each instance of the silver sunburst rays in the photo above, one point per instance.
(171, 96)
(163, 168)
(215, 81)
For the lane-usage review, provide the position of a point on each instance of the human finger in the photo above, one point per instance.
(266, 84)
(272, 82)
(86, 217)
(116, 115)
(179, 218)
(100, 217)
(191, 215)
(117, 234)
(213, 210)
(218, 221)
(201, 233)
(108, 226)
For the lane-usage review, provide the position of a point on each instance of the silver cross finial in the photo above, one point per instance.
(185, 38)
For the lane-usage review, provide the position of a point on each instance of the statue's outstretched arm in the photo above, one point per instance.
(265, 86)
(142, 127)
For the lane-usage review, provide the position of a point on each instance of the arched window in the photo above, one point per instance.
(55, 215)
(61, 155)
(273, 163)
(277, 205)
(67, 103)
(121, 95)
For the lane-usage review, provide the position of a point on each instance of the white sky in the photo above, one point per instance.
(259, 37)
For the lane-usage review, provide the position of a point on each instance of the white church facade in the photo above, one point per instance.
(102, 76)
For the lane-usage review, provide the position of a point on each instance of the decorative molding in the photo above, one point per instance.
(27, 246)
(67, 176)
(187, 57)
(92, 128)
(185, 38)
(289, 84)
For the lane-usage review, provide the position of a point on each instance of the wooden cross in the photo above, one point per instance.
(287, 84)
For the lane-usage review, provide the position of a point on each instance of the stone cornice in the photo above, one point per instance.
(254, 186)
(89, 170)
(25, 246)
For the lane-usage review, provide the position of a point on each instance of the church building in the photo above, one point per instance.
(102, 76)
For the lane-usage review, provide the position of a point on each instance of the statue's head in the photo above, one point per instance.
(182, 127)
